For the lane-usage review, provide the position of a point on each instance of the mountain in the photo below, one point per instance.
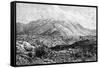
(66, 29)
(70, 22)
(62, 32)
(20, 27)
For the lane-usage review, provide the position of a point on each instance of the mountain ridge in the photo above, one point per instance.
(64, 28)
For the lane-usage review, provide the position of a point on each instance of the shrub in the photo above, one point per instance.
(40, 52)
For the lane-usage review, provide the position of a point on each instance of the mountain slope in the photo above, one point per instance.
(66, 29)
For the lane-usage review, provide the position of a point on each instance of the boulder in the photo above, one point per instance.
(28, 46)
(23, 47)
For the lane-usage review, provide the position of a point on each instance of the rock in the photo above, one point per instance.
(28, 46)
(19, 47)
(24, 46)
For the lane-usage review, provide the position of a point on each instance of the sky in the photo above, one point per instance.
(86, 16)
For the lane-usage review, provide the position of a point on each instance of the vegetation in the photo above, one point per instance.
(84, 50)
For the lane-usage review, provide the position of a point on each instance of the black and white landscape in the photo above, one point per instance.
(48, 34)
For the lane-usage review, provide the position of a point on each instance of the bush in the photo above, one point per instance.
(41, 51)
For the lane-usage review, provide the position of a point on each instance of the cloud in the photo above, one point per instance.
(84, 16)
